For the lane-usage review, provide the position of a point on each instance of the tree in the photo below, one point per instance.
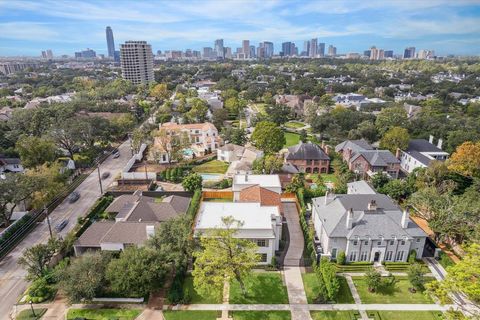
(341, 258)
(219, 117)
(66, 137)
(35, 151)
(396, 189)
(36, 259)
(466, 159)
(379, 180)
(297, 182)
(416, 276)
(462, 278)
(49, 184)
(395, 138)
(233, 135)
(222, 257)
(391, 117)
(327, 274)
(160, 91)
(123, 124)
(303, 135)
(137, 271)
(365, 130)
(268, 164)
(235, 105)
(373, 279)
(198, 112)
(268, 137)
(192, 182)
(170, 144)
(84, 278)
(278, 113)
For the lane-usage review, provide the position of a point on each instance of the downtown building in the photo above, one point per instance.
(137, 62)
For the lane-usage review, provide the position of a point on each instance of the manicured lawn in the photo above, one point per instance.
(261, 315)
(28, 315)
(417, 315)
(334, 315)
(103, 314)
(312, 288)
(191, 315)
(262, 287)
(195, 297)
(399, 294)
(214, 166)
(294, 124)
(291, 139)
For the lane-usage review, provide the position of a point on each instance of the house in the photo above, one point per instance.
(367, 227)
(240, 158)
(10, 165)
(363, 159)
(204, 138)
(259, 223)
(267, 181)
(308, 157)
(136, 218)
(295, 102)
(420, 153)
(261, 195)
(360, 187)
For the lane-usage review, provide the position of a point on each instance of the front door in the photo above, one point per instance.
(376, 257)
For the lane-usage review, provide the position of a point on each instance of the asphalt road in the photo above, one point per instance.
(12, 283)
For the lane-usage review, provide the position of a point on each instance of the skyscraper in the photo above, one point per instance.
(332, 51)
(208, 53)
(137, 62)
(313, 48)
(252, 51)
(219, 50)
(246, 48)
(228, 53)
(110, 42)
(286, 46)
(409, 53)
(388, 54)
(268, 46)
(49, 54)
(321, 49)
(306, 48)
(44, 55)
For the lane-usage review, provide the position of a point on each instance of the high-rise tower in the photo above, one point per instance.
(137, 62)
(110, 42)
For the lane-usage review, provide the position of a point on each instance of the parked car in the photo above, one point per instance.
(59, 227)
(74, 196)
(116, 155)
(105, 175)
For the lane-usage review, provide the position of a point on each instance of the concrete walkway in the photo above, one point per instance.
(356, 296)
(150, 314)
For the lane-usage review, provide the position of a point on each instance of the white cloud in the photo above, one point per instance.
(31, 31)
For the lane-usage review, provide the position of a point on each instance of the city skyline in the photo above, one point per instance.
(66, 27)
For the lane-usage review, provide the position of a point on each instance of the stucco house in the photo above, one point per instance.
(367, 227)
(364, 160)
(420, 153)
(240, 158)
(308, 158)
(267, 181)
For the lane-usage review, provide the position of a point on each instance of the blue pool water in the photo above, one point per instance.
(188, 152)
(211, 176)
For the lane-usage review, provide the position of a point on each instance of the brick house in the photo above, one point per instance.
(309, 158)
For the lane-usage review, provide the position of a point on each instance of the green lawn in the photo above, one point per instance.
(416, 315)
(28, 315)
(335, 315)
(399, 294)
(191, 315)
(103, 314)
(312, 288)
(259, 107)
(261, 315)
(291, 139)
(214, 166)
(262, 287)
(197, 298)
(294, 125)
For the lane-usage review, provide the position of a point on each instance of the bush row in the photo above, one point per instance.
(174, 175)
(308, 232)
(97, 209)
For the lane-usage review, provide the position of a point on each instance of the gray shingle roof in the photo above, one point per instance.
(306, 151)
(355, 145)
(377, 158)
(128, 233)
(94, 234)
(422, 145)
(150, 209)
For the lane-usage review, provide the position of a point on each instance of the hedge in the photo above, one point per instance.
(194, 204)
(97, 208)
(14, 227)
(308, 232)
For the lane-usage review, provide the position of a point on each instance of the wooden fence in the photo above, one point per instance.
(217, 194)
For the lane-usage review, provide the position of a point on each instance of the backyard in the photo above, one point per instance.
(312, 288)
(291, 139)
(100, 314)
(214, 166)
(262, 287)
(195, 297)
(399, 294)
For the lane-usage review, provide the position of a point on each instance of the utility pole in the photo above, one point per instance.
(48, 221)
(99, 180)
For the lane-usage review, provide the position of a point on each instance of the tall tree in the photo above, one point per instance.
(192, 182)
(391, 117)
(466, 159)
(219, 117)
(160, 91)
(223, 257)
(268, 164)
(37, 258)
(35, 151)
(268, 137)
(395, 138)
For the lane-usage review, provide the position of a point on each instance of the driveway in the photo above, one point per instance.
(295, 248)
(12, 282)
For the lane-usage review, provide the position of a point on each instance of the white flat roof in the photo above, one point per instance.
(252, 215)
(264, 180)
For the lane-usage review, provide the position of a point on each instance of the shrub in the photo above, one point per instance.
(341, 258)
(40, 291)
(373, 279)
(416, 276)
(412, 256)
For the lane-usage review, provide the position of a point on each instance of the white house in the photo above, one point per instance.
(261, 224)
(420, 153)
(267, 181)
(10, 165)
(367, 227)
(240, 158)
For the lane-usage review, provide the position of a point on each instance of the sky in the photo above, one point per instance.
(446, 26)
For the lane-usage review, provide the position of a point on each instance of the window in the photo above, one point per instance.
(388, 256)
(379, 243)
(366, 243)
(262, 242)
(363, 256)
(355, 242)
(399, 255)
(418, 240)
(263, 257)
(334, 253)
(403, 242)
(353, 256)
(391, 242)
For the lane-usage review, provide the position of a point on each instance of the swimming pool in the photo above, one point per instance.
(211, 176)
(188, 152)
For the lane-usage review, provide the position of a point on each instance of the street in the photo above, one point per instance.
(12, 282)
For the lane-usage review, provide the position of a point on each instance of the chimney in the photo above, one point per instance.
(326, 196)
(439, 144)
(350, 219)
(430, 139)
(405, 217)
(327, 149)
(150, 231)
(372, 205)
(323, 144)
(397, 154)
